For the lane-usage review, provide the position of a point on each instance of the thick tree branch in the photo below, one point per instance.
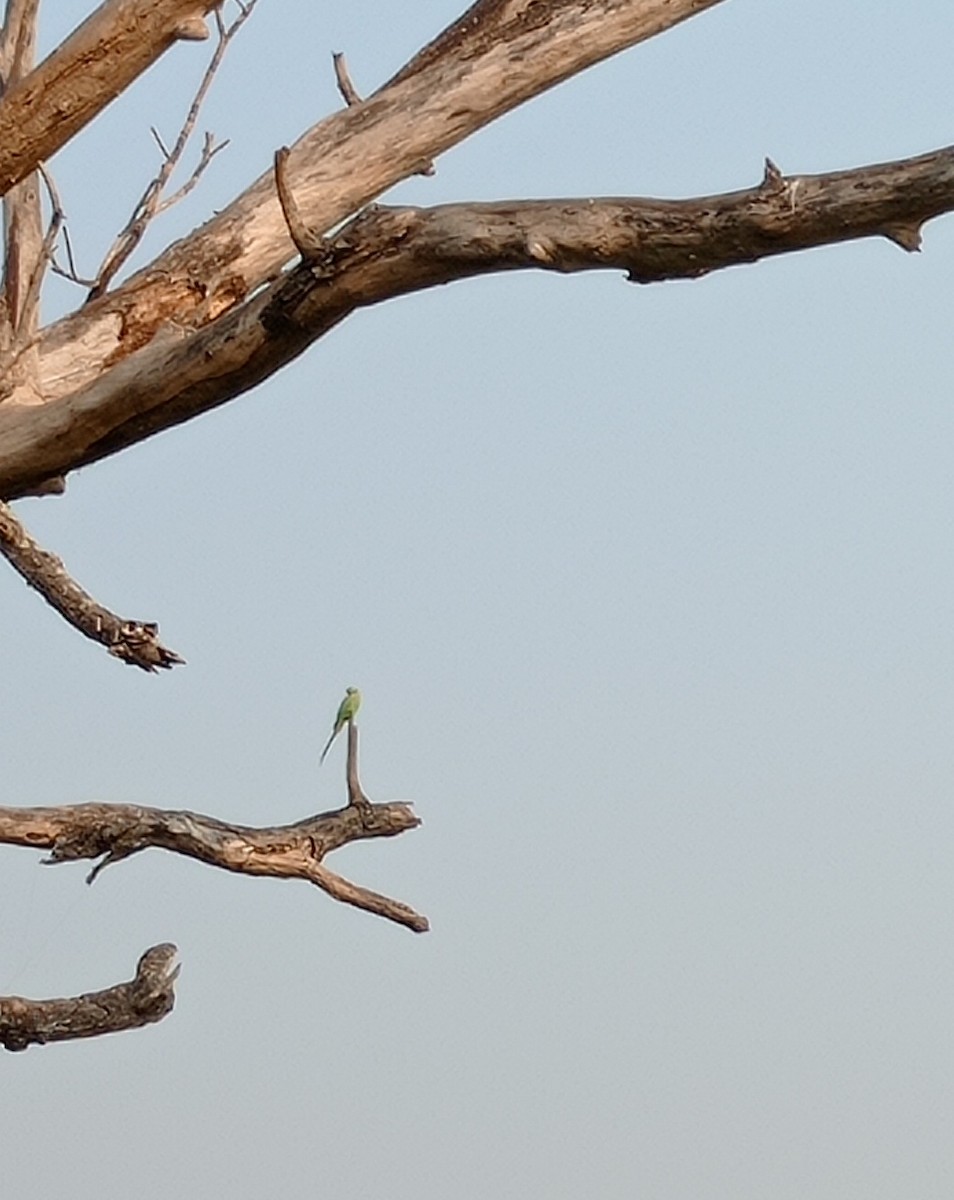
(147, 998)
(111, 832)
(387, 252)
(347, 160)
(135, 643)
(98, 61)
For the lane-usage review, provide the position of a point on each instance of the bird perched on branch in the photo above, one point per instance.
(346, 713)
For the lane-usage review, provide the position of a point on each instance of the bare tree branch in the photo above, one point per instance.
(26, 331)
(387, 252)
(210, 148)
(145, 999)
(345, 161)
(135, 643)
(24, 255)
(349, 93)
(112, 832)
(151, 203)
(98, 61)
(17, 41)
(69, 271)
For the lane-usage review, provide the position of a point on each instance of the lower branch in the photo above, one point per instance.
(147, 998)
(111, 832)
(135, 643)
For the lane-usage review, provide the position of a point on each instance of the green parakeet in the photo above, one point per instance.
(346, 712)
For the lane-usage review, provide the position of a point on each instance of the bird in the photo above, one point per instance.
(346, 713)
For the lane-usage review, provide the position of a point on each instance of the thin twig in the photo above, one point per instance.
(150, 203)
(210, 148)
(135, 643)
(349, 93)
(159, 142)
(69, 272)
(31, 300)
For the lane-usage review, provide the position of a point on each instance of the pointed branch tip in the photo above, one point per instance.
(907, 236)
(772, 178)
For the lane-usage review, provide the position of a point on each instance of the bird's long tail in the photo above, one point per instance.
(324, 752)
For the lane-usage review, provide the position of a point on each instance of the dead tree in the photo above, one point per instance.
(218, 312)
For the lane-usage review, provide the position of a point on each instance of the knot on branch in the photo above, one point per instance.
(192, 29)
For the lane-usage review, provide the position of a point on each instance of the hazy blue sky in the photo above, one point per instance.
(649, 592)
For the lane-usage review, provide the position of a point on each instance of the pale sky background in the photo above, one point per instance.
(650, 592)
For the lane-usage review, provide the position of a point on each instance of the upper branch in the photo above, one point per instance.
(100, 59)
(387, 252)
(348, 159)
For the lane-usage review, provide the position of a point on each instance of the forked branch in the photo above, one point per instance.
(112, 832)
(145, 999)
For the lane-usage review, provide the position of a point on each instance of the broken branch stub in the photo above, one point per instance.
(146, 998)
